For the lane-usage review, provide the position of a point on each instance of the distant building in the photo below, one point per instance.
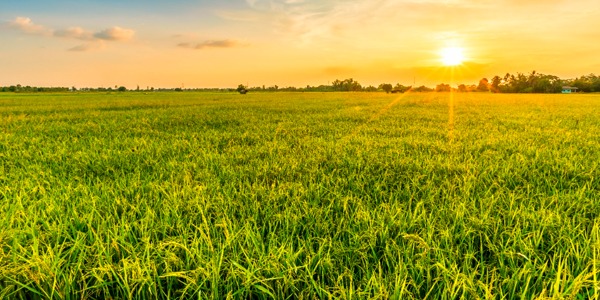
(569, 89)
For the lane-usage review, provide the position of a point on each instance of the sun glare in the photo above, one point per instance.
(452, 56)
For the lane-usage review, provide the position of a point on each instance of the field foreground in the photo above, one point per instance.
(299, 195)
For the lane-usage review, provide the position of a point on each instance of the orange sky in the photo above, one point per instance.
(290, 42)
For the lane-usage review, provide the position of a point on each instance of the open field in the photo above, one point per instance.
(299, 195)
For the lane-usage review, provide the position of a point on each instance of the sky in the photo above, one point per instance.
(201, 43)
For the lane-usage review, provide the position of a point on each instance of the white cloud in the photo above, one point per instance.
(96, 40)
(27, 26)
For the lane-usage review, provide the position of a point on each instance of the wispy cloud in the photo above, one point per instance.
(403, 28)
(212, 44)
(75, 33)
(96, 40)
(94, 45)
(115, 34)
(308, 22)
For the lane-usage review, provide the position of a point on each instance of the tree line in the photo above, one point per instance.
(29, 89)
(509, 83)
(346, 85)
(534, 83)
(32, 89)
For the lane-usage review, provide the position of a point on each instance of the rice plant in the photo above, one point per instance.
(299, 196)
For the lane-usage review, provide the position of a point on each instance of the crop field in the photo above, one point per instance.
(299, 196)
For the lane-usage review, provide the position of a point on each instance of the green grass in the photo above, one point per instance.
(299, 196)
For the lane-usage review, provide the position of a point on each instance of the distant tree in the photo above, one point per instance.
(484, 85)
(587, 83)
(521, 84)
(398, 88)
(443, 87)
(532, 83)
(595, 82)
(370, 88)
(242, 89)
(122, 89)
(386, 87)
(347, 85)
(422, 89)
(495, 85)
(462, 88)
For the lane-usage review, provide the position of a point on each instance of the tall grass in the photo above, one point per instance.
(299, 196)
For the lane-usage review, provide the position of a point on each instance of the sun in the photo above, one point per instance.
(452, 56)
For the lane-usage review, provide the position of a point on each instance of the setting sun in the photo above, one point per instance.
(452, 56)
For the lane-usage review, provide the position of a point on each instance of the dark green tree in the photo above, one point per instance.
(242, 89)
(347, 85)
(398, 88)
(386, 87)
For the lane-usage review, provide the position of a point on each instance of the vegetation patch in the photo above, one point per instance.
(299, 195)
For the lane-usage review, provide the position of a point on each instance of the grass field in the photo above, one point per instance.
(299, 196)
